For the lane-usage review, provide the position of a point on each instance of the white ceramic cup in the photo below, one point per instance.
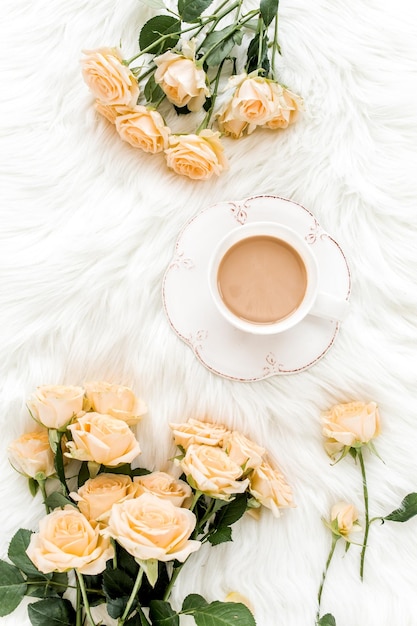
(314, 302)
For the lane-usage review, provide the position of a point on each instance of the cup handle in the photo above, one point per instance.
(330, 307)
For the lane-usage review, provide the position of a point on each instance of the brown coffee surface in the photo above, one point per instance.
(262, 279)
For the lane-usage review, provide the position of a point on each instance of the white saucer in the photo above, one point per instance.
(219, 346)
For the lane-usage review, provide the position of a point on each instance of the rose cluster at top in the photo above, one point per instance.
(184, 58)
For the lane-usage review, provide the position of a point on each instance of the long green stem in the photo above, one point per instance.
(85, 598)
(42, 487)
(209, 113)
(275, 47)
(132, 597)
(49, 583)
(78, 607)
(171, 583)
(365, 499)
(335, 539)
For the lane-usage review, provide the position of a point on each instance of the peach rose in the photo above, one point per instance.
(102, 439)
(183, 83)
(196, 156)
(164, 486)
(289, 105)
(196, 431)
(228, 124)
(349, 425)
(67, 540)
(112, 111)
(115, 400)
(255, 101)
(97, 496)
(344, 518)
(143, 128)
(151, 528)
(106, 76)
(55, 405)
(243, 451)
(31, 454)
(269, 487)
(213, 472)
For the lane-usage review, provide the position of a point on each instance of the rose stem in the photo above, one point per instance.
(79, 612)
(172, 581)
(85, 599)
(135, 590)
(323, 578)
(41, 482)
(365, 498)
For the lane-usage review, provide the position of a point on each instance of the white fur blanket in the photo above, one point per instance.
(88, 226)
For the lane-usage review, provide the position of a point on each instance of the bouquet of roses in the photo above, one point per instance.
(116, 534)
(188, 58)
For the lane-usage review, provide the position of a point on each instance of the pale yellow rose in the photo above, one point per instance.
(115, 400)
(345, 515)
(164, 486)
(143, 128)
(235, 596)
(151, 528)
(31, 454)
(196, 431)
(196, 156)
(102, 439)
(255, 101)
(67, 540)
(213, 472)
(228, 124)
(269, 487)
(112, 111)
(349, 424)
(55, 405)
(243, 451)
(289, 106)
(96, 497)
(106, 76)
(181, 80)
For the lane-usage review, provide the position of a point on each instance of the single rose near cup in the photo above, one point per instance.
(264, 279)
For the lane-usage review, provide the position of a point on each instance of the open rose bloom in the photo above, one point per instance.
(31, 454)
(196, 156)
(54, 406)
(108, 78)
(352, 424)
(115, 400)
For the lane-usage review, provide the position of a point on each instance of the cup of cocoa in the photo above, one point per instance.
(264, 279)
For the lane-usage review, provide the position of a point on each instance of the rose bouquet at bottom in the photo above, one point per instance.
(119, 535)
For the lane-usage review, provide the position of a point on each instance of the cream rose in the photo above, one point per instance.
(106, 76)
(289, 106)
(349, 424)
(67, 540)
(151, 528)
(255, 101)
(164, 486)
(345, 516)
(243, 451)
(181, 80)
(196, 431)
(97, 496)
(102, 439)
(55, 405)
(115, 400)
(31, 454)
(112, 111)
(213, 472)
(143, 128)
(269, 487)
(228, 124)
(196, 156)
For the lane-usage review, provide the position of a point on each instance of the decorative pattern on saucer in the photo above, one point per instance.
(223, 349)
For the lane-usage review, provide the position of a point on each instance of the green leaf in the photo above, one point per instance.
(59, 463)
(190, 10)
(139, 619)
(42, 589)
(254, 61)
(269, 9)
(33, 486)
(406, 511)
(17, 554)
(223, 614)
(83, 474)
(327, 620)
(157, 27)
(57, 500)
(52, 612)
(221, 43)
(193, 602)
(12, 588)
(221, 536)
(152, 92)
(117, 583)
(232, 512)
(161, 614)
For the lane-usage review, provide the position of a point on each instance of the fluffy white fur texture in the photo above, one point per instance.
(88, 226)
